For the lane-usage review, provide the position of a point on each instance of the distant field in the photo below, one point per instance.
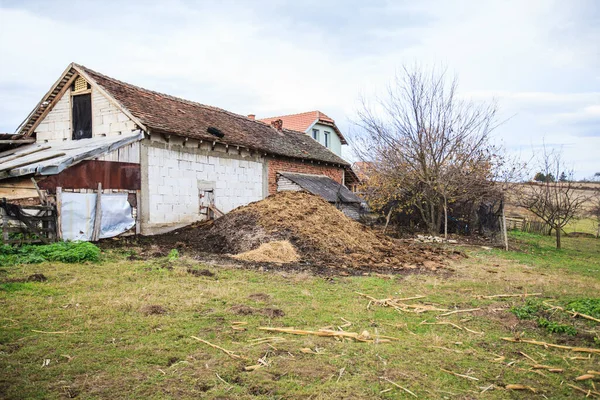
(585, 224)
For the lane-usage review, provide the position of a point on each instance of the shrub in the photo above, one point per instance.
(554, 327)
(589, 307)
(67, 252)
(173, 255)
(529, 310)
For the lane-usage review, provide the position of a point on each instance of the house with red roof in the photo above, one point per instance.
(115, 158)
(317, 125)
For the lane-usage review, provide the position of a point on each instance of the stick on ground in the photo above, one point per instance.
(460, 375)
(228, 352)
(398, 386)
(557, 346)
(459, 311)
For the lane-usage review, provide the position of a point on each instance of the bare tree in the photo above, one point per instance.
(595, 210)
(555, 203)
(426, 145)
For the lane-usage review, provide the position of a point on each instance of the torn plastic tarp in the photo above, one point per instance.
(78, 211)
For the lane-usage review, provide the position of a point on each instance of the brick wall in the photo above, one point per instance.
(288, 165)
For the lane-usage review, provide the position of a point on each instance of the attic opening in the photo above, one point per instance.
(81, 101)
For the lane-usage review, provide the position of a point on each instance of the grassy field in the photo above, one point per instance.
(123, 329)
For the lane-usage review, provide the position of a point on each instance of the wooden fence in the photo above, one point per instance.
(525, 225)
(28, 224)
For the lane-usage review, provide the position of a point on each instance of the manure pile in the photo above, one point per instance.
(320, 233)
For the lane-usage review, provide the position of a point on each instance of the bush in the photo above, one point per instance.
(67, 252)
(589, 307)
(529, 310)
(554, 327)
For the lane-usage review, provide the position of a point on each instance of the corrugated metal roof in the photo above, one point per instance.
(323, 186)
(53, 157)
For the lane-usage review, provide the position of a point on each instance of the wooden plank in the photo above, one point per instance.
(97, 214)
(4, 225)
(33, 161)
(138, 214)
(23, 154)
(17, 141)
(49, 93)
(50, 106)
(58, 213)
(43, 200)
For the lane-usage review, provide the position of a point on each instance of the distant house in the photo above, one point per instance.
(165, 161)
(315, 124)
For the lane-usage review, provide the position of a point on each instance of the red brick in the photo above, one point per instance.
(276, 165)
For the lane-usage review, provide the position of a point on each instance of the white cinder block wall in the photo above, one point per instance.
(57, 124)
(107, 119)
(174, 173)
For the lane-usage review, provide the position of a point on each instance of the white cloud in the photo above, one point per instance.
(539, 58)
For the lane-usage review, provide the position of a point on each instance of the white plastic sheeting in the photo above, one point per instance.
(78, 211)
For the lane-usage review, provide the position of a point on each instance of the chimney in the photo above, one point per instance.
(277, 124)
(251, 117)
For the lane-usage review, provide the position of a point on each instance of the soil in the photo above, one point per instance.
(37, 278)
(241, 309)
(153, 309)
(261, 297)
(321, 234)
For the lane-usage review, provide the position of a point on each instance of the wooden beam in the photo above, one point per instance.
(97, 214)
(43, 200)
(25, 153)
(58, 212)
(50, 106)
(36, 160)
(17, 141)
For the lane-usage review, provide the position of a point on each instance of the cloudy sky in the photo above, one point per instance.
(539, 59)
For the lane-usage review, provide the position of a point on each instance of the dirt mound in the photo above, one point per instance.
(321, 234)
(280, 251)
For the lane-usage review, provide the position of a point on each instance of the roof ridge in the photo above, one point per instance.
(180, 99)
(293, 115)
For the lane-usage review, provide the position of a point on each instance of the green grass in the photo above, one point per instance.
(580, 255)
(103, 341)
(585, 225)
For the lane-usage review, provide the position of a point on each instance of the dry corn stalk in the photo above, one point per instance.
(228, 352)
(557, 346)
(520, 387)
(402, 307)
(496, 296)
(573, 313)
(585, 377)
(460, 375)
(452, 325)
(365, 336)
(587, 392)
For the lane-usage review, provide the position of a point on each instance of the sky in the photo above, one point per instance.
(539, 59)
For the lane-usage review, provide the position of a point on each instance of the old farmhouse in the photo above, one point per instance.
(162, 162)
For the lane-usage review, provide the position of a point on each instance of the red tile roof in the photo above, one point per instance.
(302, 121)
(171, 115)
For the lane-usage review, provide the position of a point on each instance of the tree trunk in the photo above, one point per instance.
(557, 237)
(445, 219)
(504, 233)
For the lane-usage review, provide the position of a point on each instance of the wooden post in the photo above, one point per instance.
(59, 213)
(4, 225)
(97, 214)
(505, 234)
(43, 200)
(138, 214)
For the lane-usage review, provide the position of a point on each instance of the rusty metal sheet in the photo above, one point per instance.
(87, 174)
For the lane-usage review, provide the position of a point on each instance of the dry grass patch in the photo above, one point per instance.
(281, 251)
